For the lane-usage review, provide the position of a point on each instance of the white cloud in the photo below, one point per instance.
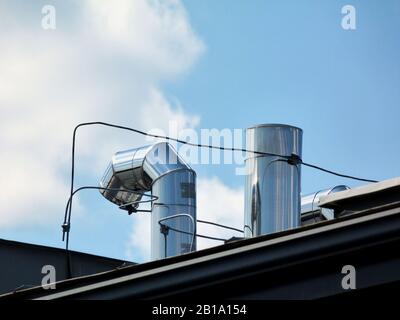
(138, 246)
(133, 23)
(216, 202)
(106, 65)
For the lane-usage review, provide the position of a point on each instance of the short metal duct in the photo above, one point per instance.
(310, 203)
(272, 189)
(159, 169)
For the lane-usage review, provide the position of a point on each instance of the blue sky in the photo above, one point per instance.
(248, 62)
(291, 62)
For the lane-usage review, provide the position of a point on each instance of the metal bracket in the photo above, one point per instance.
(294, 159)
(164, 229)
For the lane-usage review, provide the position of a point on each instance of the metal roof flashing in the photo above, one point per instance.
(361, 198)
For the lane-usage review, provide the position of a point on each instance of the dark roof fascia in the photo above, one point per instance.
(58, 250)
(230, 260)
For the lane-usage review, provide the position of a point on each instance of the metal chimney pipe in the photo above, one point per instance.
(272, 188)
(176, 210)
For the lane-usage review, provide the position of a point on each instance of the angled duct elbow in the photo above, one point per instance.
(159, 169)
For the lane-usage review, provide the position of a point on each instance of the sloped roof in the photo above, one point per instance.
(301, 263)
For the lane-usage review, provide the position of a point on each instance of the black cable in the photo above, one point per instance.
(149, 135)
(67, 223)
(293, 159)
(165, 245)
(220, 225)
(336, 173)
(172, 139)
(205, 221)
(197, 234)
(203, 236)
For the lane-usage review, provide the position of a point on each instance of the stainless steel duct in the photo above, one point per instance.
(159, 169)
(310, 203)
(272, 189)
